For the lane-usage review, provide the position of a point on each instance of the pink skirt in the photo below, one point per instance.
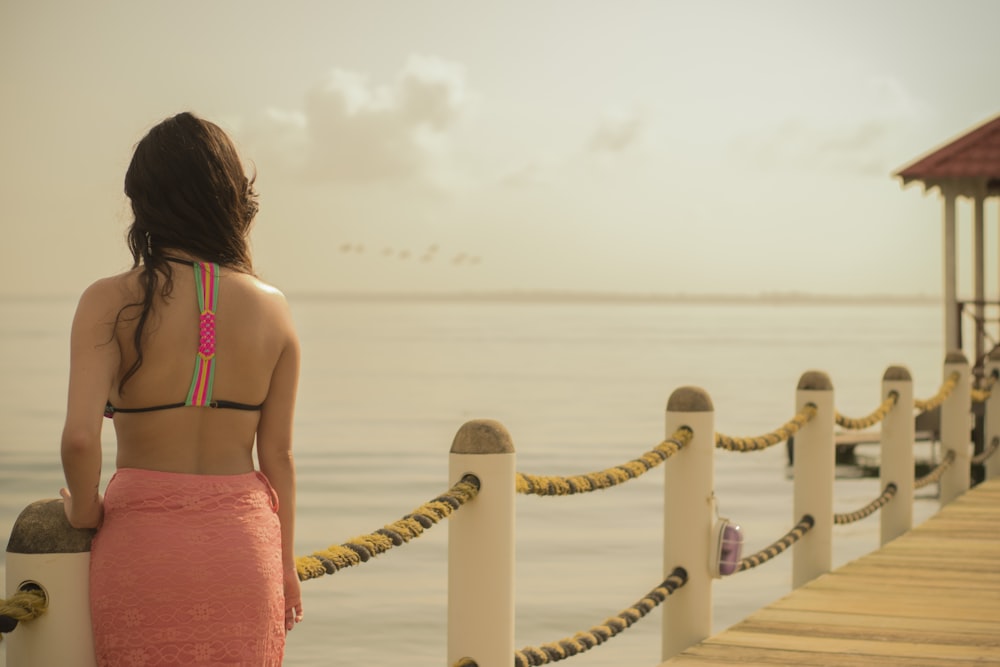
(186, 570)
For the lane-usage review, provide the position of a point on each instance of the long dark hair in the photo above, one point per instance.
(189, 193)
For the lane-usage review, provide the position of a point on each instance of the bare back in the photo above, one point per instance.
(252, 329)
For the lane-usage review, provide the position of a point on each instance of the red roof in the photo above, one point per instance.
(969, 163)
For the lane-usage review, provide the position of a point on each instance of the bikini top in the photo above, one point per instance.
(206, 276)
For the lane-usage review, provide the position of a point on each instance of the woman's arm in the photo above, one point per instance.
(94, 361)
(274, 451)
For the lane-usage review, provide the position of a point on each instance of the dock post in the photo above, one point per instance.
(991, 425)
(956, 427)
(481, 548)
(897, 454)
(814, 468)
(688, 515)
(45, 551)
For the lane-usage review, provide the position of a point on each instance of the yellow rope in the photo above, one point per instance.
(779, 435)
(804, 525)
(867, 510)
(872, 419)
(546, 485)
(363, 547)
(937, 473)
(588, 639)
(944, 392)
(20, 607)
(986, 453)
(982, 394)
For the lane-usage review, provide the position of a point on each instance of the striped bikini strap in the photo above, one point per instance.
(206, 277)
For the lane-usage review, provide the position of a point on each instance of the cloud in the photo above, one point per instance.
(859, 148)
(853, 122)
(528, 174)
(617, 132)
(351, 129)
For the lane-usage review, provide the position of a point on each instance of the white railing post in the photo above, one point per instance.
(991, 424)
(896, 466)
(44, 550)
(688, 515)
(814, 470)
(481, 548)
(956, 428)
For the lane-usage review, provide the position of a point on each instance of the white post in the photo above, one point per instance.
(897, 453)
(481, 548)
(814, 470)
(991, 425)
(951, 324)
(956, 427)
(688, 514)
(45, 550)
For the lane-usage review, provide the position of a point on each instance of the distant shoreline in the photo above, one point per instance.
(571, 297)
(567, 297)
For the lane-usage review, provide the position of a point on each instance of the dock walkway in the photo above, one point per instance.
(930, 597)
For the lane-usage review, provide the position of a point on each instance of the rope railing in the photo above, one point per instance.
(804, 525)
(944, 392)
(983, 393)
(24, 605)
(874, 418)
(775, 437)
(360, 549)
(936, 474)
(547, 485)
(27, 605)
(867, 510)
(583, 641)
(981, 457)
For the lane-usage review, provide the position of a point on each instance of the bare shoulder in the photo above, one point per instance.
(267, 290)
(266, 299)
(99, 308)
(108, 294)
(264, 292)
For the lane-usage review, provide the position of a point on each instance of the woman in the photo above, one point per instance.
(193, 558)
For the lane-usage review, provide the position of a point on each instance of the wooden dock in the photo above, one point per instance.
(930, 598)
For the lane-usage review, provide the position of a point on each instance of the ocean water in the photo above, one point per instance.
(581, 386)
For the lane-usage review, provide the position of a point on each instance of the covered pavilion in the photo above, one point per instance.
(967, 167)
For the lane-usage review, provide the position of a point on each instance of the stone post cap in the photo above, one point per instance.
(900, 373)
(482, 436)
(690, 399)
(42, 528)
(956, 357)
(815, 380)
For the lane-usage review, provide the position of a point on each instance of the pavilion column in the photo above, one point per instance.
(980, 277)
(951, 322)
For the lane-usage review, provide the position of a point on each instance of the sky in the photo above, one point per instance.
(712, 146)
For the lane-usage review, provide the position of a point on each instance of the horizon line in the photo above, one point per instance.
(566, 295)
(582, 296)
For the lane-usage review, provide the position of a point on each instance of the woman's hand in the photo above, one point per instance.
(82, 515)
(293, 599)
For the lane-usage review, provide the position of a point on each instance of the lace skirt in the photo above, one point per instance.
(186, 570)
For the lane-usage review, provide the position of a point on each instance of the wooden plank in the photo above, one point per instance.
(890, 569)
(911, 606)
(852, 627)
(711, 655)
(837, 646)
(889, 623)
(929, 586)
